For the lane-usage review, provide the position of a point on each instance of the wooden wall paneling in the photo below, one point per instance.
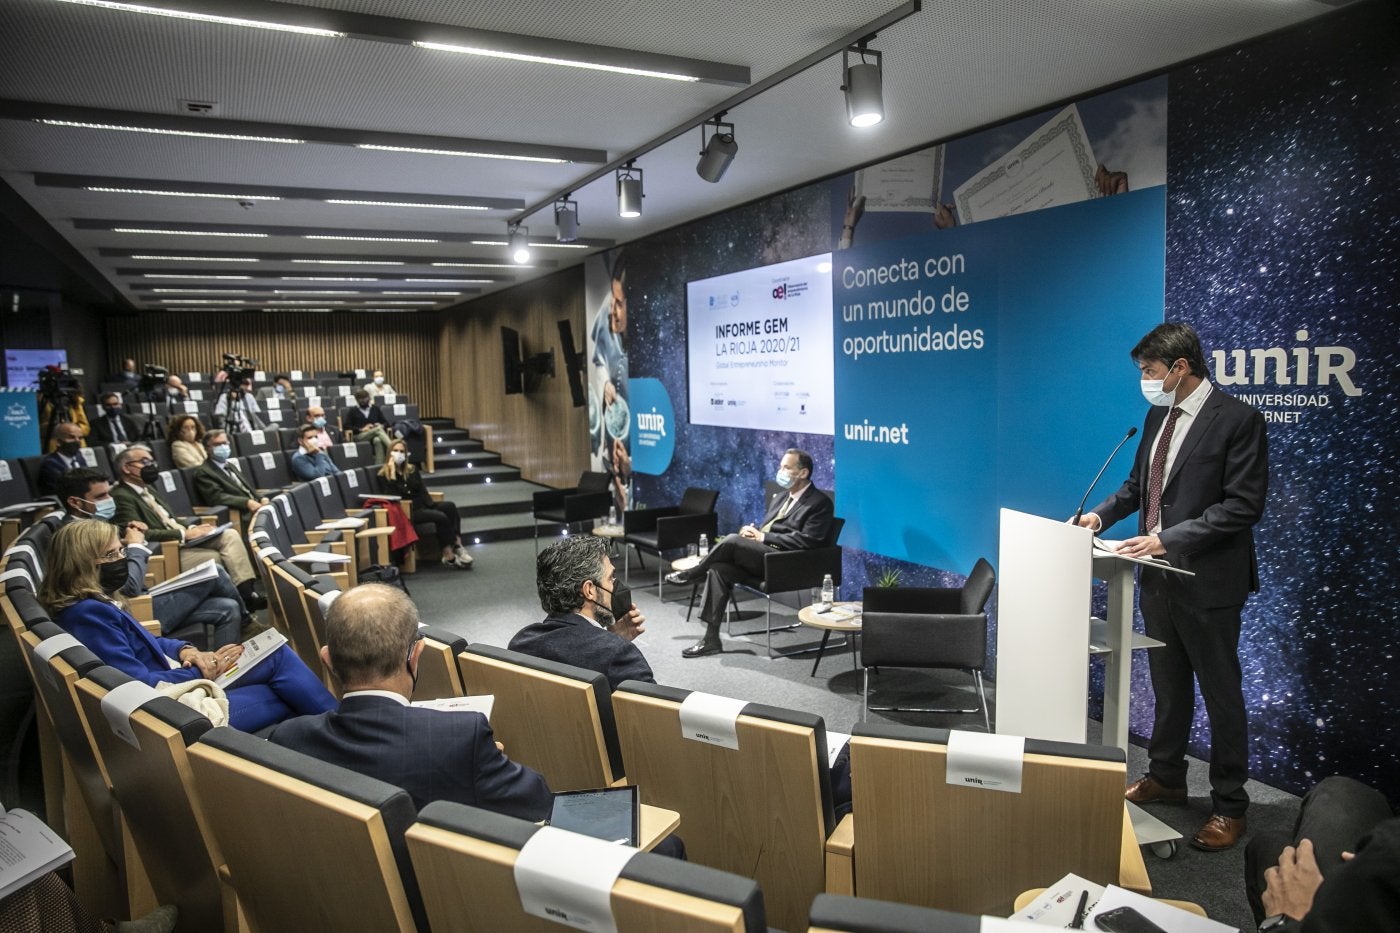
(540, 432)
(403, 345)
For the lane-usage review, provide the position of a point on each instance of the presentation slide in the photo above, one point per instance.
(22, 367)
(759, 346)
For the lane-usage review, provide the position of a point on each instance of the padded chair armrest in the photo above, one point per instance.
(220, 513)
(679, 530)
(585, 505)
(785, 571)
(635, 520)
(551, 498)
(841, 857)
(142, 611)
(436, 495)
(906, 639)
(374, 532)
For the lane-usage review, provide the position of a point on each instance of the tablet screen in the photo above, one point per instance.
(610, 813)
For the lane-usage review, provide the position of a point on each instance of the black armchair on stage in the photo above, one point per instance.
(791, 572)
(588, 501)
(669, 528)
(928, 628)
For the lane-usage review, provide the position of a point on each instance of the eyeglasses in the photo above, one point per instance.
(417, 637)
(113, 555)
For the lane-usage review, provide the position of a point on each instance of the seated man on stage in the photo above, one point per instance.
(795, 521)
(372, 647)
(591, 621)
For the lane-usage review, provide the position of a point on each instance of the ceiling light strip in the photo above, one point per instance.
(549, 60)
(208, 18)
(159, 131)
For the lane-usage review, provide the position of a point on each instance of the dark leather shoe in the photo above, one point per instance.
(1218, 833)
(703, 647)
(677, 577)
(1148, 789)
(255, 601)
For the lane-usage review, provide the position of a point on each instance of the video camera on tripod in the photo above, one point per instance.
(58, 388)
(238, 368)
(153, 378)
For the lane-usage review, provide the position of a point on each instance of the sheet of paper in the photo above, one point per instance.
(1056, 905)
(5, 474)
(706, 717)
(255, 649)
(343, 523)
(835, 741)
(209, 538)
(350, 449)
(258, 437)
(988, 762)
(568, 878)
(352, 479)
(476, 704)
(319, 557)
(908, 183)
(1172, 919)
(1052, 166)
(268, 461)
(324, 484)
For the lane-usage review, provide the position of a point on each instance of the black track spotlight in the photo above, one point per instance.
(566, 219)
(629, 191)
(518, 244)
(718, 152)
(865, 101)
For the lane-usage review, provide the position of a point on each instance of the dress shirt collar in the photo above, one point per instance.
(1191, 405)
(387, 694)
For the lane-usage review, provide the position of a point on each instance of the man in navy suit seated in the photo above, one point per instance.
(796, 520)
(373, 646)
(591, 621)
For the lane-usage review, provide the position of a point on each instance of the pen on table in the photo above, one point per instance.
(1078, 922)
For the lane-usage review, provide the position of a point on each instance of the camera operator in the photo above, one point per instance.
(237, 410)
(60, 401)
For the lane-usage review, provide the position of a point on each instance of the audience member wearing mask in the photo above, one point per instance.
(377, 386)
(365, 422)
(310, 461)
(185, 435)
(67, 441)
(399, 477)
(114, 425)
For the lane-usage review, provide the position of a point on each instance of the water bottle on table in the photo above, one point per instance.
(612, 515)
(828, 592)
(704, 546)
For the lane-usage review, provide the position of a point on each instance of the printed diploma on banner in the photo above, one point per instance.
(1053, 166)
(909, 183)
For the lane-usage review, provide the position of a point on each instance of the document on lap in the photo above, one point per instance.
(255, 649)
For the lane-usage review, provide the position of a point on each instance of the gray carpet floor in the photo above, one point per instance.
(496, 598)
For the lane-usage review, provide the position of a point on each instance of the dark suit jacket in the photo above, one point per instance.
(216, 486)
(806, 526)
(1211, 500)
(353, 420)
(102, 429)
(51, 468)
(133, 508)
(434, 755)
(569, 638)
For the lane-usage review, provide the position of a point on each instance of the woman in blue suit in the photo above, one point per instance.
(86, 566)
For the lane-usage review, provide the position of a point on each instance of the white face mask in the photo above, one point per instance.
(379, 380)
(1153, 391)
(399, 457)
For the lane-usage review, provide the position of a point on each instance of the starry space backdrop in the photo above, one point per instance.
(1282, 218)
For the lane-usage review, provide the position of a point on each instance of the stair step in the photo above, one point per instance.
(478, 474)
(463, 446)
(478, 458)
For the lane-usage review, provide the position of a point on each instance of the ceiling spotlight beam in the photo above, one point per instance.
(248, 130)
(901, 12)
(331, 195)
(440, 36)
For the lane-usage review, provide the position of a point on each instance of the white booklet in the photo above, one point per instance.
(28, 850)
(254, 650)
(205, 571)
(209, 538)
(477, 704)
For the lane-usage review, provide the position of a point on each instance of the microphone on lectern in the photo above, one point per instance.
(1080, 511)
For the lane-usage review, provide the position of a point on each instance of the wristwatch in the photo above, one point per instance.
(1278, 923)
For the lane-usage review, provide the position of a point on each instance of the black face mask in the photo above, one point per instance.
(113, 411)
(69, 448)
(149, 474)
(621, 602)
(111, 576)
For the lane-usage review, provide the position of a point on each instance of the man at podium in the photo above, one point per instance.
(1198, 484)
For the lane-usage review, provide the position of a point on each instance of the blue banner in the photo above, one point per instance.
(19, 425)
(653, 426)
(987, 366)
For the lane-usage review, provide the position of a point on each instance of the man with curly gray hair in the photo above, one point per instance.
(591, 621)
